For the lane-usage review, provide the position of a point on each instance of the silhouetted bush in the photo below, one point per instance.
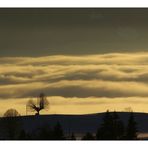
(11, 113)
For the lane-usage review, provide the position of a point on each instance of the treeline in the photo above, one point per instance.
(11, 128)
(112, 128)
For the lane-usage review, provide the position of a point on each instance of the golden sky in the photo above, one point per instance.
(76, 84)
(84, 60)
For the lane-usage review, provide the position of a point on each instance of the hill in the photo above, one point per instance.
(80, 124)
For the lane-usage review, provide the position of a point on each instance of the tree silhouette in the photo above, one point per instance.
(131, 130)
(41, 104)
(118, 127)
(11, 124)
(11, 113)
(112, 127)
(105, 132)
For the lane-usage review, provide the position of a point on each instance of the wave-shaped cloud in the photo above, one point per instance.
(109, 58)
(76, 84)
(104, 75)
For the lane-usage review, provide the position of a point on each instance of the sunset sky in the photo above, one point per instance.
(84, 60)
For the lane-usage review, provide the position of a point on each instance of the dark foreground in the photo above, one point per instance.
(100, 126)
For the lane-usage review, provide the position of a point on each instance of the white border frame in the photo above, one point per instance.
(73, 3)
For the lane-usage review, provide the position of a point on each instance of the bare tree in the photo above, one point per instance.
(41, 104)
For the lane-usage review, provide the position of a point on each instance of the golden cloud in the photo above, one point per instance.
(113, 76)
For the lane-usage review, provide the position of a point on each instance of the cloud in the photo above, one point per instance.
(76, 88)
(109, 59)
(105, 75)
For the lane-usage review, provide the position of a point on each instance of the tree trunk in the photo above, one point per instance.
(38, 113)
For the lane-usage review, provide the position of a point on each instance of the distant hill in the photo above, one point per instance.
(80, 123)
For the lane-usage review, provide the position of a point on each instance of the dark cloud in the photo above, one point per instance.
(38, 32)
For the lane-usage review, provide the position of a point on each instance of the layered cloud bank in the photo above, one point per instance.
(103, 81)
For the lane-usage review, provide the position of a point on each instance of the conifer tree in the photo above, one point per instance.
(106, 130)
(131, 130)
(118, 127)
(112, 127)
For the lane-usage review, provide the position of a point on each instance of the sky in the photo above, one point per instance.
(84, 60)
